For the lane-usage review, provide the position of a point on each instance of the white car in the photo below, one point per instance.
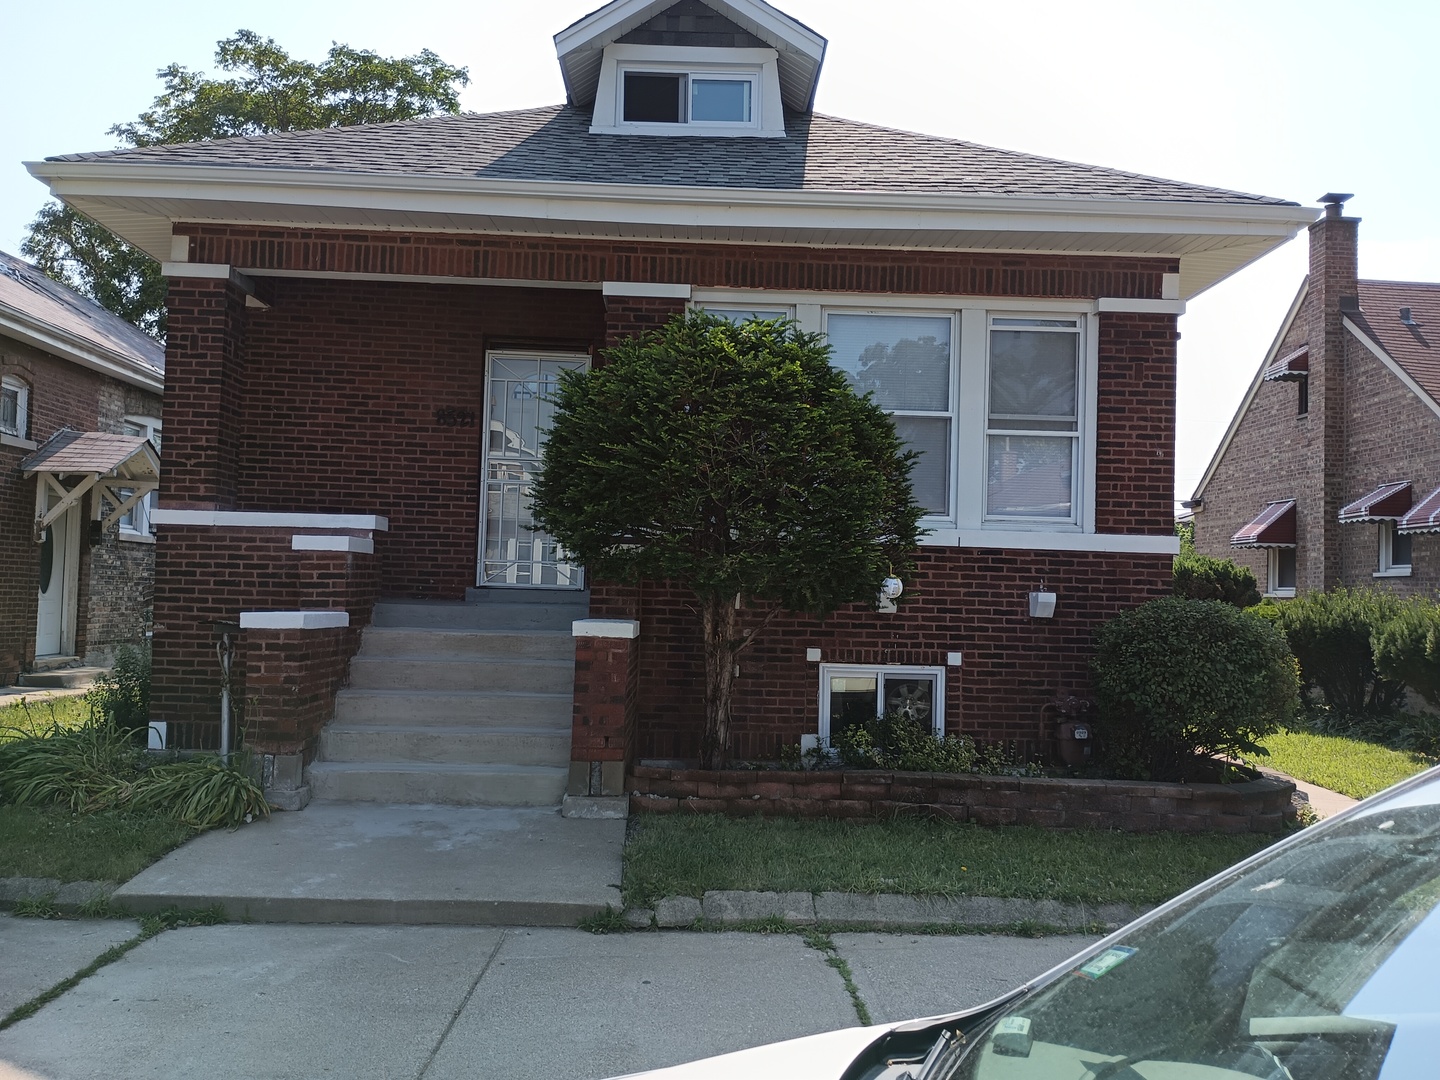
(1316, 959)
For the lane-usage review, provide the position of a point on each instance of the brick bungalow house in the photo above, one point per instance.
(364, 321)
(79, 407)
(1329, 473)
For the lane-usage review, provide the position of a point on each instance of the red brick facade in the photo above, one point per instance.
(114, 577)
(1363, 427)
(324, 401)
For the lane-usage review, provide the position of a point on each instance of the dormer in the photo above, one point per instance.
(692, 67)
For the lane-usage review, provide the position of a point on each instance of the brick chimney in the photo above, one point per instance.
(1334, 290)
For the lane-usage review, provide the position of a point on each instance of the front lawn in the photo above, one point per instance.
(1350, 766)
(685, 855)
(37, 715)
(53, 842)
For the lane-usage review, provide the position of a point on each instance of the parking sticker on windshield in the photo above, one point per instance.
(1108, 960)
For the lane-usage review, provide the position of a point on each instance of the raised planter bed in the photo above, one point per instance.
(1256, 806)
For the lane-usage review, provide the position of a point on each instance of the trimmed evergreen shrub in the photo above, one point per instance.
(1407, 648)
(1203, 577)
(1179, 679)
(1330, 634)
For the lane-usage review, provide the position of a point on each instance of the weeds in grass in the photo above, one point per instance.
(37, 907)
(824, 944)
(150, 926)
(609, 921)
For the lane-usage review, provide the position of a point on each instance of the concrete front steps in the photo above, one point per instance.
(460, 703)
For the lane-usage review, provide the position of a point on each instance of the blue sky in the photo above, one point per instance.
(1279, 97)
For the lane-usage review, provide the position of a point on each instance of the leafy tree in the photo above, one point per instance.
(735, 460)
(271, 91)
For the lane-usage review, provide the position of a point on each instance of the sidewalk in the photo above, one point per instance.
(440, 1003)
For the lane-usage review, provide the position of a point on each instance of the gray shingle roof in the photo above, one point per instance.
(820, 153)
(27, 292)
(68, 452)
(1415, 348)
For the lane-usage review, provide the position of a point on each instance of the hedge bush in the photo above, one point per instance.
(1330, 634)
(1203, 577)
(1407, 648)
(1180, 679)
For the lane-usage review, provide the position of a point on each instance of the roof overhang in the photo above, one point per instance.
(1273, 527)
(581, 45)
(120, 469)
(141, 201)
(22, 326)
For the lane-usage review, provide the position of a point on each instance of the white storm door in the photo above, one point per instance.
(513, 552)
(54, 556)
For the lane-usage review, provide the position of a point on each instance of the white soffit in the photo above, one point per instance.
(802, 51)
(141, 201)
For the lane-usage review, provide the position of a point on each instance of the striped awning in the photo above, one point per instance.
(1291, 367)
(1423, 517)
(1273, 527)
(1388, 502)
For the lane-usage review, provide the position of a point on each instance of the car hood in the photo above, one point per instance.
(815, 1057)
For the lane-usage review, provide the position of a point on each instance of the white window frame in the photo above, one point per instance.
(967, 526)
(1272, 571)
(21, 435)
(952, 413)
(135, 524)
(1386, 564)
(999, 430)
(880, 671)
(759, 67)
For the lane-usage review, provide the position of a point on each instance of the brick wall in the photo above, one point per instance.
(529, 258)
(207, 575)
(290, 681)
(1260, 806)
(1363, 428)
(113, 580)
(961, 600)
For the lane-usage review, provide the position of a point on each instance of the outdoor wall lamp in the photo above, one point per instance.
(890, 588)
(1042, 605)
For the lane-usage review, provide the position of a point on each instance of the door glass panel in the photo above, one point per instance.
(47, 559)
(518, 412)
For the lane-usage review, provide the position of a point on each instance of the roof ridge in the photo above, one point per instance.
(1406, 284)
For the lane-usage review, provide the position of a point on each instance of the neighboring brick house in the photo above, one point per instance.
(77, 379)
(1330, 471)
(351, 309)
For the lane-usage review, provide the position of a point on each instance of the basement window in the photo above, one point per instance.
(854, 695)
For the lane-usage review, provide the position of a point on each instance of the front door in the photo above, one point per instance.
(513, 552)
(51, 623)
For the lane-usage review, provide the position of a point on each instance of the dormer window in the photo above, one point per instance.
(651, 97)
(664, 90)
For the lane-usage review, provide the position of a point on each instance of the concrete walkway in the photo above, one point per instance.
(338, 862)
(440, 1002)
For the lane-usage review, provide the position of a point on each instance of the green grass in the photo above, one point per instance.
(36, 716)
(686, 855)
(53, 842)
(1350, 766)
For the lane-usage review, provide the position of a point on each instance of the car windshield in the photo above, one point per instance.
(1321, 962)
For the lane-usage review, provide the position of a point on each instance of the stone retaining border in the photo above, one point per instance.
(887, 912)
(1255, 806)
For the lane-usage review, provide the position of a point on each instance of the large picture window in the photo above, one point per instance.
(906, 362)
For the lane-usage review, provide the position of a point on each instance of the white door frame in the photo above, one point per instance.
(69, 556)
(577, 575)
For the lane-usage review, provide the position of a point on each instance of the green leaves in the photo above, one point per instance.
(272, 91)
(269, 91)
(1175, 678)
(733, 459)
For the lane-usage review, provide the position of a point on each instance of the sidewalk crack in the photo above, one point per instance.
(435, 1050)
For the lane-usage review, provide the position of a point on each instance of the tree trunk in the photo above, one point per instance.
(720, 625)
